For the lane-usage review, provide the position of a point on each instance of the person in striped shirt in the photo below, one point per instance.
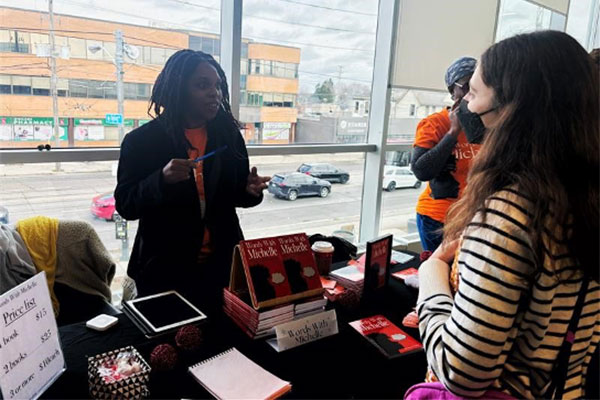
(525, 235)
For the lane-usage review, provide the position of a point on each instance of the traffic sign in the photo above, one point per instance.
(113, 119)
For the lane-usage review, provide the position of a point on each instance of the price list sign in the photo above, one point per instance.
(31, 358)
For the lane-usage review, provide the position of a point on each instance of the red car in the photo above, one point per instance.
(103, 206)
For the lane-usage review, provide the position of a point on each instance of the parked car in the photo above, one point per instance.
(325, 171)
(294, 185)
(103, 206)
(3, 215)
(395, 177)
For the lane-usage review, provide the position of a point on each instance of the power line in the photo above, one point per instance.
(27, 29)
(330, 8)
(186, 27)
(258, 38)
(309, 25)
(164, 45)
(196, 5)
(24, 66)
(279, 21)
(335, 76)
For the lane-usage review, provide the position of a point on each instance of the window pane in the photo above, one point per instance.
(267, 67)
(147, 55)
(77, 48)
(316, 61)
(110, 90)
(19, 89)
(169, 53)
(21, 84)
(326, 216)
(96, 90)
(143, 91)
(5, 84)
(180, 28)
(94, 50)
(78, 88)
(23, 42)
(111, 51)
(195, 42)
(130, 90)
(157, 56)
(521, 16)
(207, 45)
(37, 40)
(5, 36)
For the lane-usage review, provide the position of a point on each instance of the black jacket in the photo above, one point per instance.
(171, 228)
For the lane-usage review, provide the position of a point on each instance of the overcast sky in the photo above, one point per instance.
(330, 33)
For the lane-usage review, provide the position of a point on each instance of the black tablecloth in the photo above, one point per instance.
(341, 366)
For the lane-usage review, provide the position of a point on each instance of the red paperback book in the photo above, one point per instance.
(386, 337)
(405, 273)
(275, 270)
(377, 263)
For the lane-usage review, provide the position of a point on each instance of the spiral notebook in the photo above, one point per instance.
(231, 375)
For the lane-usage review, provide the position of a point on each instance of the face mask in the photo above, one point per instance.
(471, 122)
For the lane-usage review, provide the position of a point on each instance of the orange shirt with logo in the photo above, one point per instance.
(197, 138)
(430, 132)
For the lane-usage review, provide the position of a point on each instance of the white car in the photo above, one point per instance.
(395, 177)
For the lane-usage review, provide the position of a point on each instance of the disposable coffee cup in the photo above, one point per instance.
(323, 255)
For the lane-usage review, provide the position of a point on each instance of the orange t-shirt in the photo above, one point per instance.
(197, 138)
(430, 132)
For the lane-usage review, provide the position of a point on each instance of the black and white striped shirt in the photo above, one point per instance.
(506, 324)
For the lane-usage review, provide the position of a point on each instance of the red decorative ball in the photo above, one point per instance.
(163, 357)
(189, 337)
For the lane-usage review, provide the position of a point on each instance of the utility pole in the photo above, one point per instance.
(54, 80)
(338, 87)
(120, 91)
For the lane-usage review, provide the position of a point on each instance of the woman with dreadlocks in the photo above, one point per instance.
(182, 175)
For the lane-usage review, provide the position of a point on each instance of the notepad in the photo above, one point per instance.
(231, 375)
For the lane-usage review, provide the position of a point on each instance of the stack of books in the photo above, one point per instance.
(333, 290)
(273, 281)
(309, 307)
(256, 324)
(351, 277)
(259, 324)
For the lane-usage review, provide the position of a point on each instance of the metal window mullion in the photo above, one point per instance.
(32, 156)
(231, 46)
(387, 18)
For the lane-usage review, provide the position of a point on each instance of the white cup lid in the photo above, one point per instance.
(323, 247)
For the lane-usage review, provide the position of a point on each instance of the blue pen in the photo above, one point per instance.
(212, 153)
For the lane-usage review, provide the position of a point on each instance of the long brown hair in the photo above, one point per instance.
(545, 144)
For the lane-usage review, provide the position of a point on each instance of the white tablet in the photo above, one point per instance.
(165, 311)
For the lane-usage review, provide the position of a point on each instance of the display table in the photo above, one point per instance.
(341, 366)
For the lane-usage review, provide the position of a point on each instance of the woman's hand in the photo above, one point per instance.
(446, 251)
(177, 170)
(256, 184)
(455, 127)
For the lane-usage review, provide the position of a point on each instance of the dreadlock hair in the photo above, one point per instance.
(168, 100)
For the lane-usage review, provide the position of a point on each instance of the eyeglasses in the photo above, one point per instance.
(463, 86)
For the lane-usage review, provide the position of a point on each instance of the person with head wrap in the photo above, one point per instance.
(442, 153)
